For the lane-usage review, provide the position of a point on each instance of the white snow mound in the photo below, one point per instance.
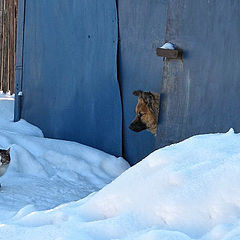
(185, 191)
(44, 173)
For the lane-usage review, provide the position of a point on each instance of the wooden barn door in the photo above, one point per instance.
(142, 27)
(202, 91)
(199, 94)
(8, 24)
(67, 71)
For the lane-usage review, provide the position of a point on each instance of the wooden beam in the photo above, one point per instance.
(170, 53)
(11, 46)
(1, 38)
(5, 56)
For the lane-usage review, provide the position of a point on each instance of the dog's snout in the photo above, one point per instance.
(131, 126)
(137, 125)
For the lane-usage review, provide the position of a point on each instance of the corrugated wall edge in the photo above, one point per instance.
(19, 58)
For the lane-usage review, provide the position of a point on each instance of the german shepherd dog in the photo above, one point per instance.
(147, 111)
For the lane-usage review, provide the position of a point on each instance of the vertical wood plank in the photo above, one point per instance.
(1, 38)
(5, 58)
(15, 39)
(11, 46)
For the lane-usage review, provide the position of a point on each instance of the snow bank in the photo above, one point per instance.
(190, 187)
(6, 119)
(186, 191)
(44, 173)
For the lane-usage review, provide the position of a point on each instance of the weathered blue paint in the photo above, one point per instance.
(142, 27)
(19, 58)
(202, 93)
(69, 78)
(199, 94)
(70, 87)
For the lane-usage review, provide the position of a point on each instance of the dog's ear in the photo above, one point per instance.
(138, 93)
(148, 98)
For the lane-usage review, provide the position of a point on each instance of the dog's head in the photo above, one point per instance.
(147, 110)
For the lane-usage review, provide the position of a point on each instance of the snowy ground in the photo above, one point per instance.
(186, 191)
(44, 172)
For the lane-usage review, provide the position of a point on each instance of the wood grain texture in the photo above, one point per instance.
(8, 24)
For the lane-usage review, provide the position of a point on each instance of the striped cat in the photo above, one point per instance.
(4, 161)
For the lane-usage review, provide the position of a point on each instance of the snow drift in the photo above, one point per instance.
(191, 187)
(44, 173)
(186, 191)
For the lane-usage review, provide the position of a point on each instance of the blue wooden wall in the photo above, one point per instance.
(70, 87)
(142, 27)
(199, 94)
(202, 93)
(70, 52)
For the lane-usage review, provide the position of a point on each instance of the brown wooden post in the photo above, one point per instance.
(1, 38)
(15, 38)
(5, 58)
(11, 46)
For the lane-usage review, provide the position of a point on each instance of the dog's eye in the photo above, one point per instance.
(140, 114)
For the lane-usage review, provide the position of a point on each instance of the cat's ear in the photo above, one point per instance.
(8, 151)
